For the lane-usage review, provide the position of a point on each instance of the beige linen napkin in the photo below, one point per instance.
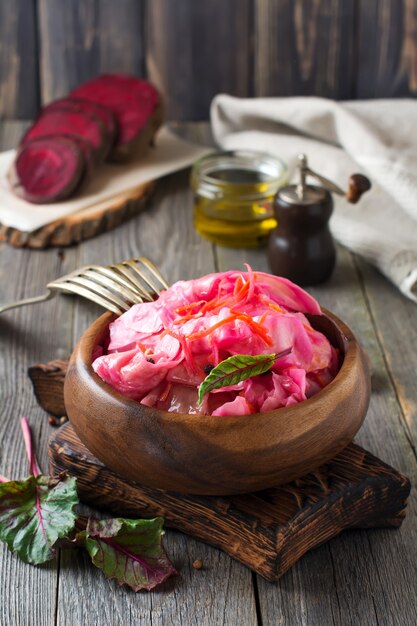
(376, 137)
(110, 180)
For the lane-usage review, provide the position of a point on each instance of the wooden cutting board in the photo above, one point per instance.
(268, 531)
(84, 224)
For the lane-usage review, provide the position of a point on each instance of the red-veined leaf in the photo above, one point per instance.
(237, 368)
(35, 513)
(129, 550)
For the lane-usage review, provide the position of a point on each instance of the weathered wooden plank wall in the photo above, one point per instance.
(82, 38)
(192, 50)
(387, 48)
(198, 49)
(19, 79)
(305, 48)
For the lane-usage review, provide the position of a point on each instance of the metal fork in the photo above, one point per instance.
(114, 287)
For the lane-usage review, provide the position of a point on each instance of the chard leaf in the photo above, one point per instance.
(129, 550)
(237, 368)
(35, 513)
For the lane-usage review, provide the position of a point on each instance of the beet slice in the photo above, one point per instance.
(104, 114)
(71, 123)
(135, 103)
(47, 169)
(89, 160)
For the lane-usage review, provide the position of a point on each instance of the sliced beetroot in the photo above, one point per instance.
(88, 152)
(48, 169)
(133, 101)
(89, 160)
(68, 122)
(104, 114)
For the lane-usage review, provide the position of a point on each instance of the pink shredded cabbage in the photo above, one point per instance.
(159, 352)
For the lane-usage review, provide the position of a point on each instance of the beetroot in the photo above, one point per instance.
(72, 123)
(104, 114)
(87, 150)
(48, 169)
(135, 103)
(113, 116)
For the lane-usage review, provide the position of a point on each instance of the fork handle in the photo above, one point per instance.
(35, 300)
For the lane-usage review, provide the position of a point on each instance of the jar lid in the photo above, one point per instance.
(244, 170)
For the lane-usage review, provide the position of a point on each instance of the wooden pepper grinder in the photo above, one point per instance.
(301, 248)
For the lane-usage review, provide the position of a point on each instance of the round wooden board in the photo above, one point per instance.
(84, 224)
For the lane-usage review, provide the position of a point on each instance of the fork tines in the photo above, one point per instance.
(116, 287)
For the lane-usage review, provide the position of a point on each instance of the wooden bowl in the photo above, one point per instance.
(217, 455)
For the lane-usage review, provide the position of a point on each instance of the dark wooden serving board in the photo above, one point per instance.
(268, 531)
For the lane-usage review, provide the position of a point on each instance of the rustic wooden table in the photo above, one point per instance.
(360, 578)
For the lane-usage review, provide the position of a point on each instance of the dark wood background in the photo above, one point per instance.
(193, 49)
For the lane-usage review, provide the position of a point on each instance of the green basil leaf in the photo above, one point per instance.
(129, 550)
(237, 368)
(35, 513)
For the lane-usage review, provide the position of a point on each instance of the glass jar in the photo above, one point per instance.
(234, 191)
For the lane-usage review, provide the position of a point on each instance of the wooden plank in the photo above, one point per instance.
(83, 39)
(304, 48)
(361, 577)
(27, 335)
(19, 89)
(387, 48)
(222, 592)
(198, 49)
(395, 320)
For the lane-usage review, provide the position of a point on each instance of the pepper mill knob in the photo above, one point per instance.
(358, 184)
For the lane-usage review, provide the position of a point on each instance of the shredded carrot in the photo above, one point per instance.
(187, 318)
(170, 332)
(243, 290)
(212, 304)
(207, 331)
(276, 307)
(187, 307)
(262, 318)
(230, 302)
(238, 284)
(257, 328)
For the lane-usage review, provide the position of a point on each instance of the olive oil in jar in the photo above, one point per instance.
(233, 197)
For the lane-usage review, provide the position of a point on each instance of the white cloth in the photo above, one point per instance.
(109, 181)
(374, 137)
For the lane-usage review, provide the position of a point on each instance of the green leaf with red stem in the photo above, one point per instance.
(236, 369)
(129, 550)
(35, 513)
(38, 512)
